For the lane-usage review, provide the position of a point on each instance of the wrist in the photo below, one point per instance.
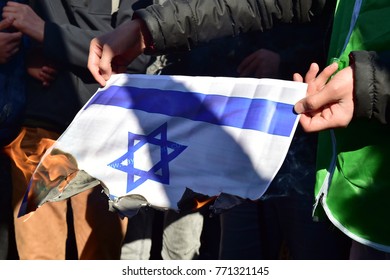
(40, 32)
(36, 32)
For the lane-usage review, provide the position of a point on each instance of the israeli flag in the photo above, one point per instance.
(156, 136)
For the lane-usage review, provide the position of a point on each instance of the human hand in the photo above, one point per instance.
(40, 69)
(25, 20)
(114, 51)
(9, 41)
(262, 63)
(328, 104)
(46, 74)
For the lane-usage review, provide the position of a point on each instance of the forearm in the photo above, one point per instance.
(372, 85)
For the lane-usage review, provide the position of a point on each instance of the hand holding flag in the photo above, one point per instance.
(150, 138)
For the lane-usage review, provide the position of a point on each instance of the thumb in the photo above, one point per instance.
(314, 102)
(299, 107)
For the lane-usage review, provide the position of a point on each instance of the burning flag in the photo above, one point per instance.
(149, 139)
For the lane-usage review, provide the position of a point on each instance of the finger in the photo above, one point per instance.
(45, 77)
(297, 78)
(13, 4)
(15, 37)
(12, 45)
(312, 72)
(14, 50)
(5, 23)
(94, 57)
(314, 102)
(49, 70)
(11, 9)
(7, 54)
(324, 76)
(326, 113)
(105, 67)
(310, 79)
(312, 124)
(325, 119)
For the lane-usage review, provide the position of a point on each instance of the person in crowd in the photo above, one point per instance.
(287, 228)
(250, 224)
(154, 31)
(184, 234)
(347, 102)
(250, 230)
(353, 107)
(12, 100)
(60, 33)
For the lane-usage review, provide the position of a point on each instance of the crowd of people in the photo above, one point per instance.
(328, 200)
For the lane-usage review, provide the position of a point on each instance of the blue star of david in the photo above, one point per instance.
(168, 151)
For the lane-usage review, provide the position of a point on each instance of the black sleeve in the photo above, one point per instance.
(125, 12)
(180, 25)
(127, 8)
(371, 85)
(72, 26)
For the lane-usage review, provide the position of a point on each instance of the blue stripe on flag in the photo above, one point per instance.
(257, 114)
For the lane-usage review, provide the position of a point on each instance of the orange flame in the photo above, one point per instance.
(56, 170)
(24, 162)
(53, 170)
(200, 204)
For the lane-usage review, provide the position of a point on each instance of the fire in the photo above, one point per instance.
(200, 204)
(26, 163)
(192, 201)
(56, 170)
(53, 170)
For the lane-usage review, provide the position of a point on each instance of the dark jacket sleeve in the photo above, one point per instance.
(372, 85)
(71, 25)
(180, 25)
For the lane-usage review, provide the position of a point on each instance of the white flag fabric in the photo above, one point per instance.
(153, 137)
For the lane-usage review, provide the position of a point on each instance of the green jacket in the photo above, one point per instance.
(353, 183)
